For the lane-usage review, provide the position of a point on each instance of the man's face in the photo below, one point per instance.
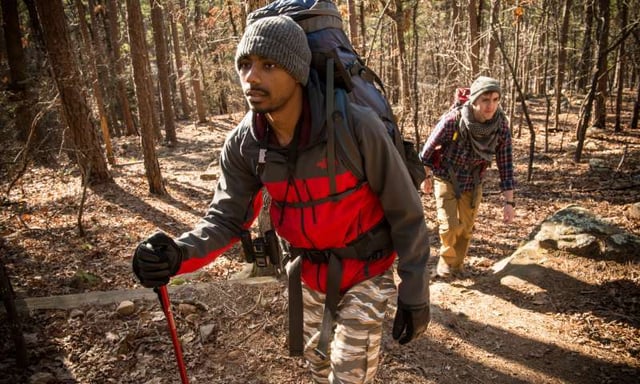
(486, 106)
(265, 84)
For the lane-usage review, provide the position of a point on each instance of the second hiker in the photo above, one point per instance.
(456, 156)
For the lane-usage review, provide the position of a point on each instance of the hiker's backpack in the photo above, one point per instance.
(342, 71)
(460, 96)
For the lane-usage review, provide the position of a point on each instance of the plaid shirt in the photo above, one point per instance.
(462, 158)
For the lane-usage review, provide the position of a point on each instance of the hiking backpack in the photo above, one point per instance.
(460, 96)
(345, 76)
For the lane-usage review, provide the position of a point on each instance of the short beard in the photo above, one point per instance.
(260, 110)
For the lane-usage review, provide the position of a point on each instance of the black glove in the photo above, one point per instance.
(410, 322)
(156, 259)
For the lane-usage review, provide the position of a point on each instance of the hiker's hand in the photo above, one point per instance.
(156, 259)
(410, 321)
(508, 214)
(427, 185)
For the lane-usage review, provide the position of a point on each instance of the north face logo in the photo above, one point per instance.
(322, 164)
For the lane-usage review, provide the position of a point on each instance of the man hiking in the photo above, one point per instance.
(344, 244)
(456, 156)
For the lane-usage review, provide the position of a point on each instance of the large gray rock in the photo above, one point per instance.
(576, 230)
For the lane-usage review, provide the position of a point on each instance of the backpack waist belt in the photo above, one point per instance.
(372, 245)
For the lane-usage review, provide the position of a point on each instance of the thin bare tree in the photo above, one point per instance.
(18, 86)
(193, 64)
(399, 14)
(621, 65)
(586, 58)
(95, 82)
(162, 62)
(66, 72)
(177, 53)
(587, 104)
(144, 94)
(116, 61)
(523, 102)
(491, 44)
(561, 59)
(353, 23)
(106, 73)
(600, 101)
(474, 36)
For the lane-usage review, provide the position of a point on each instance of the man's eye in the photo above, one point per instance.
(270, 65)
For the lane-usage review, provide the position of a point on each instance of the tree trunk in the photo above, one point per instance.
(144, 93)
(600, 102)
(414, 80)
(95, 83)
(562, 57)
(17, 70)
(636, 109)
(363, 28)
(177, 53)
(105, 72)
(523, 105)
(491, 46)
(585, 110)
(162, 61)
(545, 72)
(474, 37)
(516, 53)
(541, 59)
(193, 66)
(621, 66)
(353, 23)
(68, 79)
(455, 21)
(586, 60)
(13, 319)
(35, 27)
(398, 15)
(13, 40)
(117, 64)
(232, 21)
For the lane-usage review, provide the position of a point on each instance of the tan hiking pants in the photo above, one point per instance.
(455, 220)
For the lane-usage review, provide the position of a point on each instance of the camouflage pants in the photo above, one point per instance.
(455, 220)
(355, 347)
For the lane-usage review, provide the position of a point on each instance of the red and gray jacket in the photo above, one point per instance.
(304, 212)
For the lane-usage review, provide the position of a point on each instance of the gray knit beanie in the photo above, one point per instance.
(481, 85)
(280, 39)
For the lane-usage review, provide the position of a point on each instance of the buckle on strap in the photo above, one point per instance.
(316, 256)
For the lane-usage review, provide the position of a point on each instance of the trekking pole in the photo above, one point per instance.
(163, 296)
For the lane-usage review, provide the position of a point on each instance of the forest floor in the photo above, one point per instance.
(585, 329)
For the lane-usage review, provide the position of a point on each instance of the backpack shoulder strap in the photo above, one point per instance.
(456, 132)
(340, 137)
(345, 140)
